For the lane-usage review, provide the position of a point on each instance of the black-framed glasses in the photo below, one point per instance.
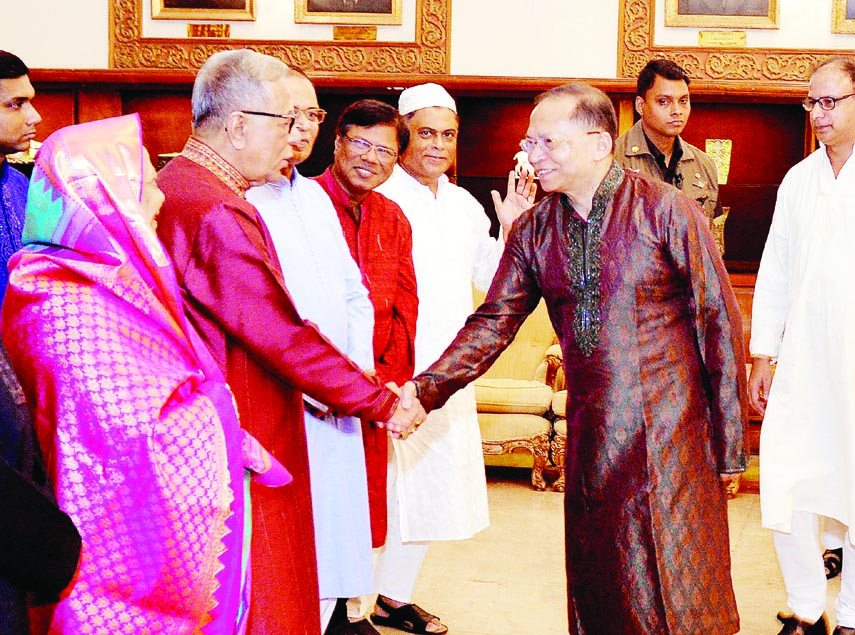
(291, 117)
(547, 144)
(312, 115)
(826, 103)
(361, 146)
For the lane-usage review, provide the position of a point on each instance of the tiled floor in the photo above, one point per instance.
(509, 580)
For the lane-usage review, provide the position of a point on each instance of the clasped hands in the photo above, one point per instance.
(408, 415)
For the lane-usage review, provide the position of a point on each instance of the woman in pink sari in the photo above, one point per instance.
(136, 423)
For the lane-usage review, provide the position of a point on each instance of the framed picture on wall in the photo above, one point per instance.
(203, 9)
(843, 20)
(723, 14)
(380, 12)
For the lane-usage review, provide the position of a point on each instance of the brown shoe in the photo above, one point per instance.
(795, 626)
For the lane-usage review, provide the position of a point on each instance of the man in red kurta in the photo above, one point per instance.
(652, 341)
(235, 296)
(381, 243)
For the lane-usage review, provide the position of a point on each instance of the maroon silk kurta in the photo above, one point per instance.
(652, 342)
(382, 245)
(235, 296)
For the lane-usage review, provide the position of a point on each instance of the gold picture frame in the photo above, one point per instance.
(636, 46)
(428, 54)
(843, 16)
(718, 14)
(373, 12)
(202, 9)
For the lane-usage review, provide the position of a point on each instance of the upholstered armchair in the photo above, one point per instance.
(558, 413)
(514, 398)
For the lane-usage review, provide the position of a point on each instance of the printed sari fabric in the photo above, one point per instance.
(137, 425)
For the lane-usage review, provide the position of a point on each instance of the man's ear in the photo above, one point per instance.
(604, 146)
(236, 129)
(639, 105)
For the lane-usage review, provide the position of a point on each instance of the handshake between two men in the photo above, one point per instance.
(409, 413)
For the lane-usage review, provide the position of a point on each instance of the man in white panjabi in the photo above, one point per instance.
(804, 317)
(326, 286)
(436, 484)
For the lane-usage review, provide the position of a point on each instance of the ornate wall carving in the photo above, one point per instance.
(428, 55)
(636, 47)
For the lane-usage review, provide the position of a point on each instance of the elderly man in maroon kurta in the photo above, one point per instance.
(235, 296)
(652, 342)
(381, 243)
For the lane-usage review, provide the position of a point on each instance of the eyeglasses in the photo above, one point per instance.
(547, 144)
(384, 154)
(290, 116)
(826, 103)
(312, 115)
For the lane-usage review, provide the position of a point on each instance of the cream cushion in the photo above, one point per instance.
(501, 427)
(559, 404)
(512, 396)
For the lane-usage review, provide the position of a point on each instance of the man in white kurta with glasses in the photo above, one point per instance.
(326, 286)
(804, 317)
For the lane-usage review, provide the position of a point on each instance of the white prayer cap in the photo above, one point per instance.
(425, 96)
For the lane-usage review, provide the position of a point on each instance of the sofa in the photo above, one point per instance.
(514, 399)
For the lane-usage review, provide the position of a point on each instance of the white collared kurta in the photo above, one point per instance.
(441, 487)
(326, 286)
(804, 315)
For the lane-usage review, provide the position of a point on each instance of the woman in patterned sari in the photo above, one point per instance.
(136, 423)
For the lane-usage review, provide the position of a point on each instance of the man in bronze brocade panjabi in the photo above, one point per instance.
(652, 341)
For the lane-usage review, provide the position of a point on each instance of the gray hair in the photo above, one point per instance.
(231, 80)
(593, 106)
(842, 63)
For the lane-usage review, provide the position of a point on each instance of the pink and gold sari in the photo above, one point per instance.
(136, 422)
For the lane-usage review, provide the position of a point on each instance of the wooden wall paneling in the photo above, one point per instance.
(767, 138)
(748, 223)
(166, 118)
(57, 108)
(99, 103)
(490, 132)
(767, 141)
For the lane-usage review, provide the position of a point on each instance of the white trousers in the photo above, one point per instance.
(327, 608)
(800, 557)
(397, 563)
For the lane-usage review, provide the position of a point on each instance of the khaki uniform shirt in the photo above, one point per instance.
(699, 175)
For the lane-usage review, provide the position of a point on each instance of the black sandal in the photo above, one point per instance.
(833, 559)
(410, 618)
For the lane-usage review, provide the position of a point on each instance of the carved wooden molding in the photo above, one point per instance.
(428, 55)
(538, 445)
(636, 46)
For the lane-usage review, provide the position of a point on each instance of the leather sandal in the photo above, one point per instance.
(833, 560)
(795, 626)
(410, 618)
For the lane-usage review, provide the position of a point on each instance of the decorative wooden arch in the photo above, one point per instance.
(636, 46)
(427, 55)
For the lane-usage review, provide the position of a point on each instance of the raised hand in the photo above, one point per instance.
(519, 198)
